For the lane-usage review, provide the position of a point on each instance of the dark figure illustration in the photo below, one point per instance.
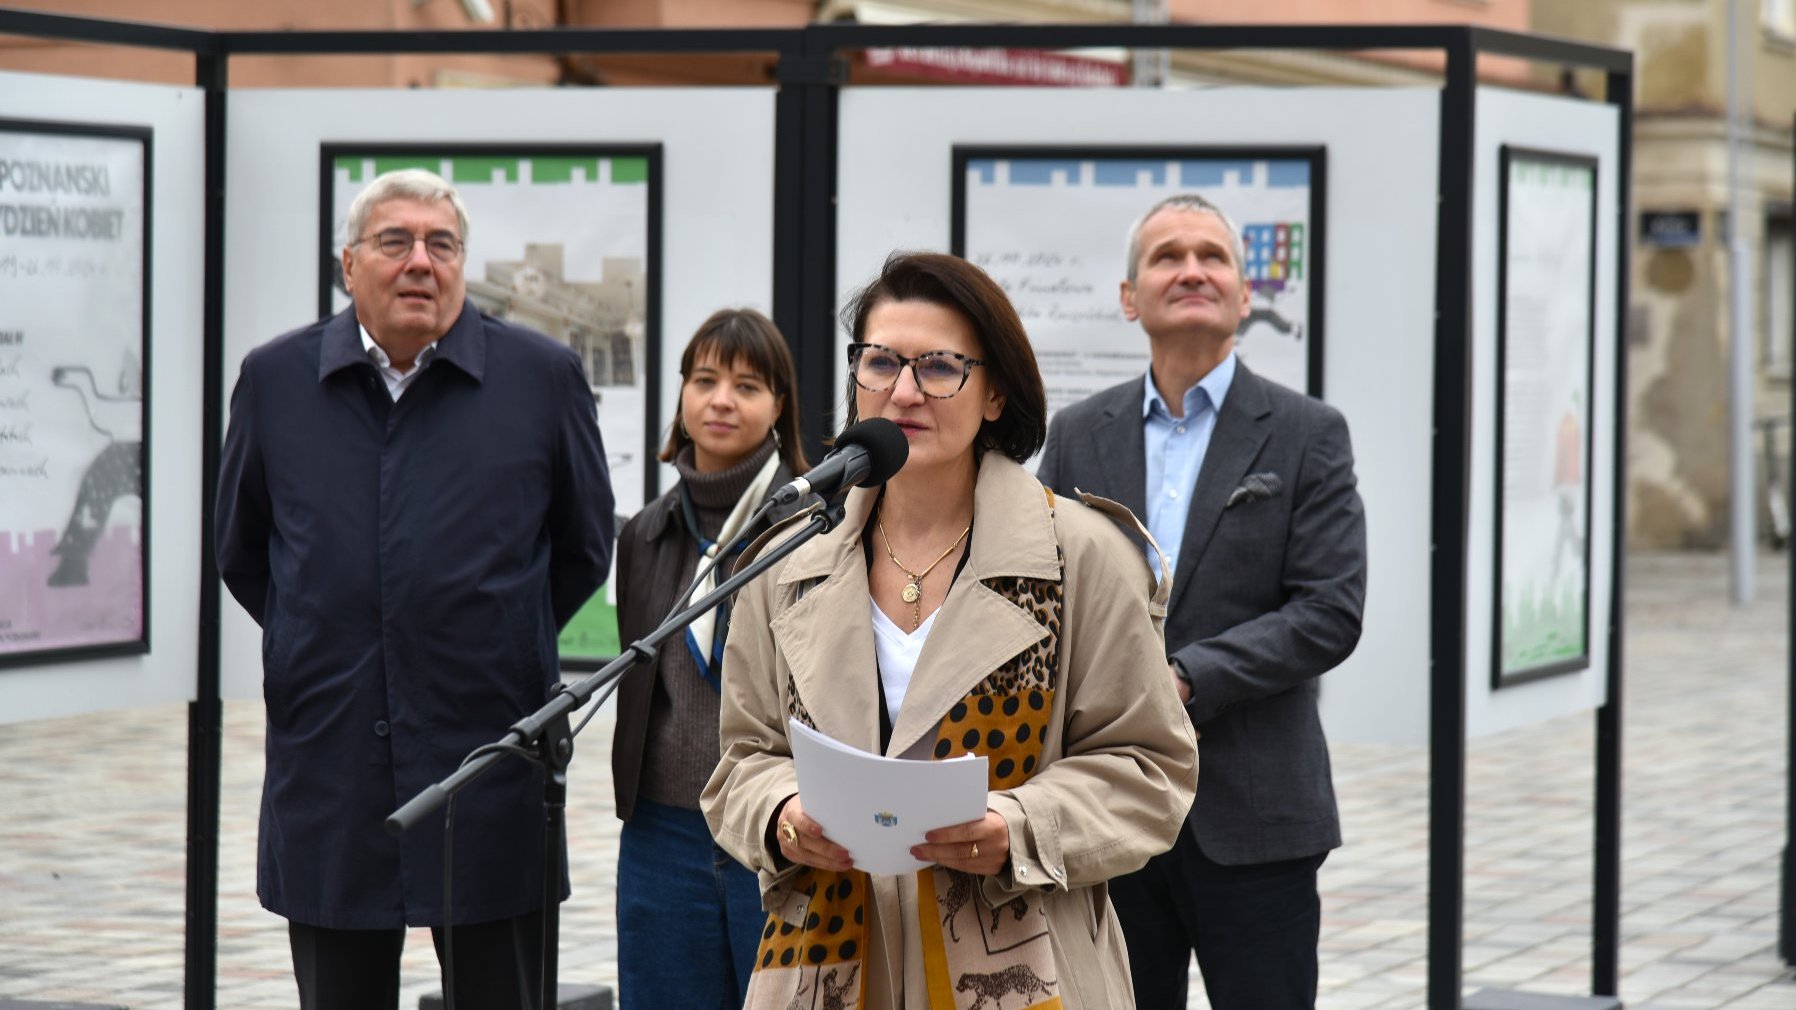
(960, 891)
(115, 472)
(833, 993)
(1017, 978)
(1017, 907)
(1269, 316)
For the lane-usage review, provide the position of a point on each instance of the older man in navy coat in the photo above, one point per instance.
(413, 499)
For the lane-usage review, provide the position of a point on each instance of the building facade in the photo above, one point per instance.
(1679, 324)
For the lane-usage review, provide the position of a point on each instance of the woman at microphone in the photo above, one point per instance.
(734, 437)
(960, 608)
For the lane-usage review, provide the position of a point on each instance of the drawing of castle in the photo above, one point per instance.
(603, 321)
(35, 615)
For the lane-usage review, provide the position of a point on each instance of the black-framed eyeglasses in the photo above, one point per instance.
(397, 244)
(939, 374)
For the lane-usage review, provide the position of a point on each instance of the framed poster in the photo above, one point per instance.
(74, 360)
(1050, 223)
(565, 240)
(1546, 333)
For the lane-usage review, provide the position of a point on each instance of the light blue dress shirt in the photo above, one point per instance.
(1176, 447)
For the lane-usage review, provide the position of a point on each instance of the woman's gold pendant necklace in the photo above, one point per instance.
(913, 590)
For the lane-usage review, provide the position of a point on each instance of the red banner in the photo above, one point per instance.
(999, 66)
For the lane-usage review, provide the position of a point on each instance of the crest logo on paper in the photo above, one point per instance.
(885, 820)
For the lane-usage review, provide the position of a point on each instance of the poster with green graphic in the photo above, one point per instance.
(1546, 290)
(566, 241)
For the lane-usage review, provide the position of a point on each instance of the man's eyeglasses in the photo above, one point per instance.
(939, 374)
(397, 244)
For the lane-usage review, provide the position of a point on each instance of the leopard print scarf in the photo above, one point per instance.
(974, 956)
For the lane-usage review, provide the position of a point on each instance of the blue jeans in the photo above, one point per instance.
(689, 916)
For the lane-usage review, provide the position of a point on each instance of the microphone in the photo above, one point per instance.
(866, 455)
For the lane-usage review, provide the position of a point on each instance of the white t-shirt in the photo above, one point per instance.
(897, 650)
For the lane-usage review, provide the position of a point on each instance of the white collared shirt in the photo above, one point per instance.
(396, 380)
(1176, 447)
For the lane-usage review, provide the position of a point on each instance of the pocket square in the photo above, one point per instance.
(1255, 486)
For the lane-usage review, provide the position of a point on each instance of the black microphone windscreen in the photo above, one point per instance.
(886, 446)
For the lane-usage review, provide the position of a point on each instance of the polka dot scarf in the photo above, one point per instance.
(973, 953)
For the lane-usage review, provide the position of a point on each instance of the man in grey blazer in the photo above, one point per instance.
(1249, 489)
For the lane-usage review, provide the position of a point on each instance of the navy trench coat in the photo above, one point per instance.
(410, 564)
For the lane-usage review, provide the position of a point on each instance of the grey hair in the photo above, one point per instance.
(404, 184)
(1191, 202)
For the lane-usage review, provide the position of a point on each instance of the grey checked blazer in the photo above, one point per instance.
(1267, 597)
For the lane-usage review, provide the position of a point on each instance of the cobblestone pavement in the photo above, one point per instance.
(92, 841)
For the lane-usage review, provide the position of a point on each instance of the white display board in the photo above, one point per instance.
(895, 191)
(1583, 131)
(87, 376)
(716, 237)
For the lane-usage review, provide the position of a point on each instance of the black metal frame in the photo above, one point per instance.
(1315, 239)
(1786, 919)
(1508, 155)
(810, 74)
(146, 345)
(205, 714)
(1606, 882)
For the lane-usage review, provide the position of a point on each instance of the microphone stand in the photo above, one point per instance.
(546, 738)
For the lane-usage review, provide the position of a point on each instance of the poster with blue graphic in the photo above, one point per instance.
(74, 305)
(565, 241)
(1050, 225)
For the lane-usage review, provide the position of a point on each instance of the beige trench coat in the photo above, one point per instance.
(1119, 766)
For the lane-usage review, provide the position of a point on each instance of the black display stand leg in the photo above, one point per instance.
(570, 997)
(1511, 999)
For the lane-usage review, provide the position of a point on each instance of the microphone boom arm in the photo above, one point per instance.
(529, 732)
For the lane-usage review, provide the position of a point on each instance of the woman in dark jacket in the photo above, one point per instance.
(689, 916)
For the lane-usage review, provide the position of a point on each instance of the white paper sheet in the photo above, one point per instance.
(878, 807)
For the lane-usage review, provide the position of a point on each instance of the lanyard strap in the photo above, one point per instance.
(707, 650)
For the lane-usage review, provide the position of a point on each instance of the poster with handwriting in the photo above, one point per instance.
(1050, 226)
(564, 241)
(74, 232)
(1546, 312)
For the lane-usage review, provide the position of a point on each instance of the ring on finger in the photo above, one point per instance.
(788, 833)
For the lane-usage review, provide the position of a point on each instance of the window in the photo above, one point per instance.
(1779, 16)
(1780, 275)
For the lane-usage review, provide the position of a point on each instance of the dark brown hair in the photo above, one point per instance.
(1010, 367)
(745, 338)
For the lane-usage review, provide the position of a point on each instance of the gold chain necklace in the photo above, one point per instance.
(913, 593)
